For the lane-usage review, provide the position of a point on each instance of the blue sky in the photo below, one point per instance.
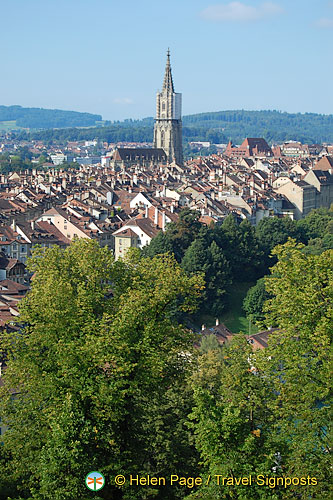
(108, 57)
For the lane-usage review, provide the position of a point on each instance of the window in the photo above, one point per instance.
(23, 248)
(14, 246)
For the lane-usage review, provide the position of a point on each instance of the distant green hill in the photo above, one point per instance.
(272, 125)
(217, 127)
(13, 117)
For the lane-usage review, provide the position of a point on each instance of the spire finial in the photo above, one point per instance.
(168, 83)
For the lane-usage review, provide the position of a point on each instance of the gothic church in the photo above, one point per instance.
(168, 123)
(167, 130)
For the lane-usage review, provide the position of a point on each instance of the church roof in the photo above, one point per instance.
(139, 154)
(168, 82)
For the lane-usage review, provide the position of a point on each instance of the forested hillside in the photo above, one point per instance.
(272, 125)
(217, 127)
(46, 118)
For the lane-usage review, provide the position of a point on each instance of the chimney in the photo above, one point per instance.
(32, 224)
(13, 225)
(147, 212)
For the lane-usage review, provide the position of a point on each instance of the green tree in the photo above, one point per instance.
(255, 300)
(178, 235)
(316, 224)
(231, 423)
(216, 271)
(100, 381)
(298, 362)
(319, 245)
(210, 343)
(218, 279)
(161, 243)
(272, 231)
(240, 247)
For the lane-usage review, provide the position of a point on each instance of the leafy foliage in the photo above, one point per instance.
(299, 359)
(103, 377)
(268, 412)
(99, 381)
(231, 423)
(254, 301)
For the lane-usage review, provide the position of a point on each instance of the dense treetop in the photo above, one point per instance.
(105, 378)
(238, 252)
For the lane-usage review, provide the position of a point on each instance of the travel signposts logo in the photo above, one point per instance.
(95, 481)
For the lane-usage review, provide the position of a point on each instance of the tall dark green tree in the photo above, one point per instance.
(316, 224)
(254, 301)
(212, 263)
(178, 235)
(272, 231)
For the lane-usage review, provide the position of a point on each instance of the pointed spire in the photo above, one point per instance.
(168, 83)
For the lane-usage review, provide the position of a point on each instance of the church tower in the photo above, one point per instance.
(168, 122)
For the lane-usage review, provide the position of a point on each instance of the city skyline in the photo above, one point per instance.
(230, 55)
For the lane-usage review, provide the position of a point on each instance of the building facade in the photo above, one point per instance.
(168, 122)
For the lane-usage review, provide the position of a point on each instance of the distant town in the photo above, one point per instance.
(174, 317)
(123, 194)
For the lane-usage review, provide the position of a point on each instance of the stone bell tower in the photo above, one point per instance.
(168, 122)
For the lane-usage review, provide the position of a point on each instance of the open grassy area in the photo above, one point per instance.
(8, 125)
(234, 318)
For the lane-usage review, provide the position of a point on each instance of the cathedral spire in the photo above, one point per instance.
(168, 123)
(168, 83)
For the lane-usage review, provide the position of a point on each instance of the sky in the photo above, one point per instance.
(108, 56)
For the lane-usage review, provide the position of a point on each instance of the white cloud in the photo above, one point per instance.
(324, 22)
(123, 100)
(240, 12)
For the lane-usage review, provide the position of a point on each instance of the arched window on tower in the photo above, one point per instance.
(162, 138)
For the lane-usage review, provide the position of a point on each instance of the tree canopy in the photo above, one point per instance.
(99, 373)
